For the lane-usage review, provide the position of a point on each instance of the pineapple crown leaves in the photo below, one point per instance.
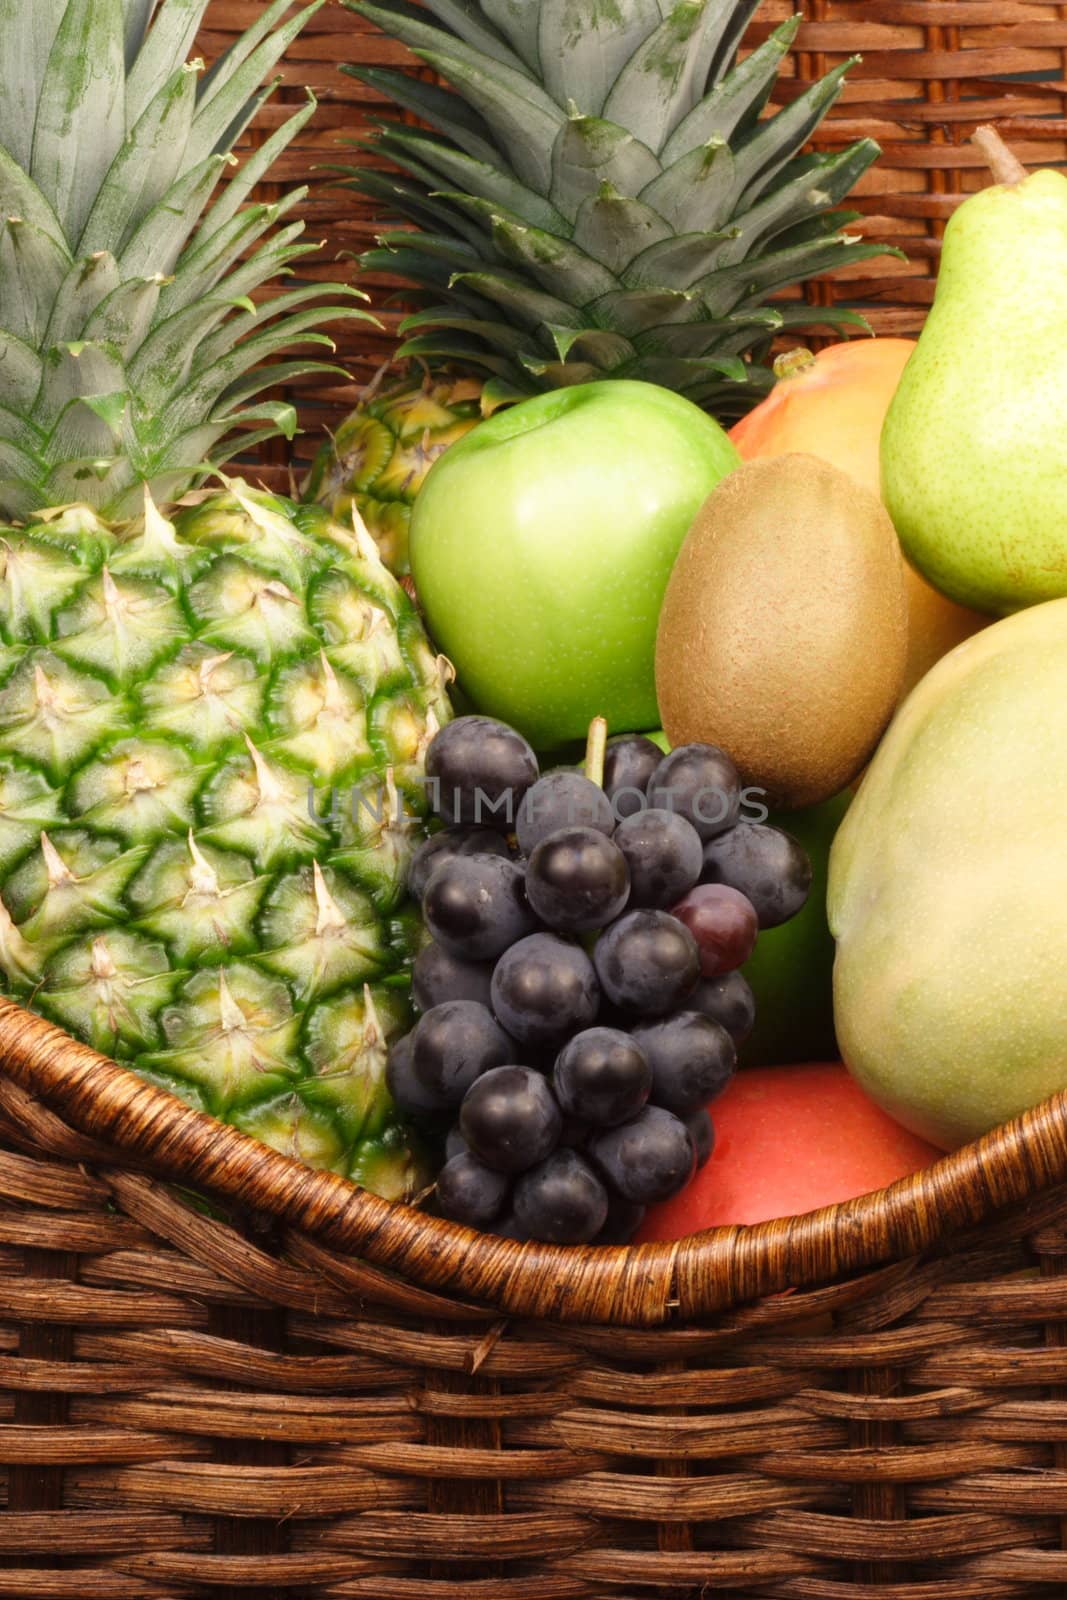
(604, 168)
(131, 351)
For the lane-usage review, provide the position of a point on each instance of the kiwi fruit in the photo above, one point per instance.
(784, 631)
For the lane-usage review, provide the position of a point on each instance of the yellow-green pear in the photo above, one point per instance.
(974, 447)
(948, 889)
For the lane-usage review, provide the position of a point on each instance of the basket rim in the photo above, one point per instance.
(645, 1285)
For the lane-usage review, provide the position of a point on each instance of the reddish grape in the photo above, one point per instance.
(723, 923)
(770, 868)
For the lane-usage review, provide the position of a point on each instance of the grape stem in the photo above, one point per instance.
(594, 751)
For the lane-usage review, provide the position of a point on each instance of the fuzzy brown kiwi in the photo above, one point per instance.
(784, 630)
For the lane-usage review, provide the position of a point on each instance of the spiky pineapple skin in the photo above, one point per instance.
(378, 460)
(187, 708)
(211, 742)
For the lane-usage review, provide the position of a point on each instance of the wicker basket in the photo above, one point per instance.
(223, 1375)
(299, 1388)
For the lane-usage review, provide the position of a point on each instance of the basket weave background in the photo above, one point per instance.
(297, 1391)
(931, 71)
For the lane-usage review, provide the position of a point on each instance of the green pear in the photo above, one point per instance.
(948, 889)
(974, 446)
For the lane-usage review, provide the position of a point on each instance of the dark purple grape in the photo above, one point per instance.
(602, 1076)
(544, 989)
(508, 1226)
(767, 865)
(727, 1000)
(409, 1094)
(702, 1132)
(623, 1220)
(562, 800)
(576, 880)
(575, 1133)
(470, 1192)
(700, 783)
(453, 1044)
(629, 762)
(692, 1061)
(438, 975)
(510, 1119)
(664, 854)
(561, 1201)
(445, 846)
(647, 962)
(455, 1143)
(476, 906)
(612, 1016)
(648, 1159)
(478, 771)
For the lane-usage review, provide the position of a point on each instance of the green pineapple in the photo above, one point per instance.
(213, 715)
(380, 455)
(601, 198)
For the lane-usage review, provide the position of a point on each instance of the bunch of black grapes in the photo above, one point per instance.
(580, 998)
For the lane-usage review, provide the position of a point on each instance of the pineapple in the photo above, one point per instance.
(213, 706)
(601, 198)
(380, 455)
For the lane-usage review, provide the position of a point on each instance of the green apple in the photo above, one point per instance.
(791, 968)
(541, 545)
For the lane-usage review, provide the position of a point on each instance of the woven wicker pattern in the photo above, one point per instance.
(931, 71)
(194, 1408)
(203, 1400)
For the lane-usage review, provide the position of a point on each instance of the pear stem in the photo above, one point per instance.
(1001, 160)
(594, 751)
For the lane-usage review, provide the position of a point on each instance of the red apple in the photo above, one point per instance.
(789, 1140)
